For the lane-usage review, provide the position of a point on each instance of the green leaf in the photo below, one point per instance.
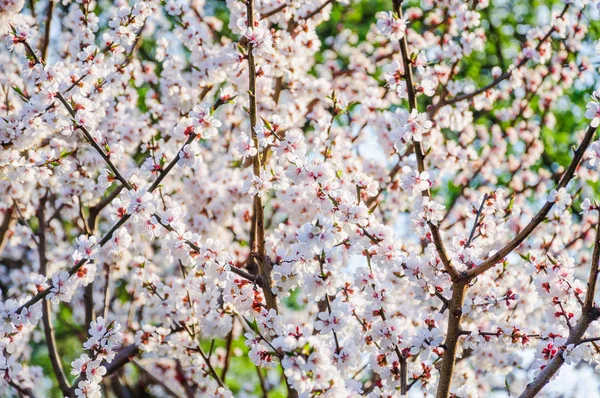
(65, 154)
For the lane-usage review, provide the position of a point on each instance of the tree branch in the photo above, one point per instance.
(7, 223)
(412, 101)
(46, 308)
(83, 129)
(455, 304)
(540, 216)
(264, 264)
(589, 314)
(441, 103)
(156, 380)
(126, 184)
(24, 391)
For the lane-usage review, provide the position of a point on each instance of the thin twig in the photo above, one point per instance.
(106, 304)
(317, 10)
(476, 222)
(263, 385)
(7, 223)
(46, 42)
(157, 380)
(588, 340)
(274, 11)
(25, 391)
(229, 350)
(435, 108)
(211, 369)
(123, 357)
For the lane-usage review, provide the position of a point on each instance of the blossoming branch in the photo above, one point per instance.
(379, 198)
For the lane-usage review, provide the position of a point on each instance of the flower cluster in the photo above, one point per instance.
(101, 345)
(405, 206)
